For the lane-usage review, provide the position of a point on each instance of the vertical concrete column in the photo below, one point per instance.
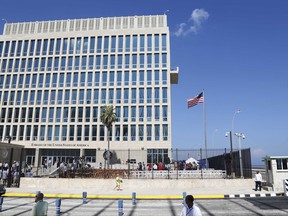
(82, 152)
(99, 158)
(37, 160)
(37, 152)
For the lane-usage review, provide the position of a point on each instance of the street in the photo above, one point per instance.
(243, 206)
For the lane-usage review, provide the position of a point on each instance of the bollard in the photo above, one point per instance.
(84, 195)
(184, 196)
(58, 204)
(285, 181)
(133, 198)
(120, 207)
(1, 202)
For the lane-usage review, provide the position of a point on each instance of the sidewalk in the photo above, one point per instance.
(144, 188)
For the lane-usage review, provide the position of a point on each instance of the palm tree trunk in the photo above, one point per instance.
(108, 138)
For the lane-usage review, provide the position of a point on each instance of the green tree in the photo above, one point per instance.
(108, 117)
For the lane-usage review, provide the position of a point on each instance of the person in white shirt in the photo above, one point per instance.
(258, 181)
(190, 209)
(5, 176)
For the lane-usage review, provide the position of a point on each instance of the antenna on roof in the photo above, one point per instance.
(166, 12)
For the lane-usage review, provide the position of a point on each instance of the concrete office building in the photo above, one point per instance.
(56, 75)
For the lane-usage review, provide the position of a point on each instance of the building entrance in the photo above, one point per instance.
(50, 157)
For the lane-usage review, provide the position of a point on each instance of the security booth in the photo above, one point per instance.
(276, 171)
(11, 160)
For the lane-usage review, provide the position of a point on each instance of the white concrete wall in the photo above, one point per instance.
(278, 176)
(140, 186)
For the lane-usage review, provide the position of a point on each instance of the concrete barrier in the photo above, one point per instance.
(140, 186)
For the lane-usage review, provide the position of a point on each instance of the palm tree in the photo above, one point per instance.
(108, 117)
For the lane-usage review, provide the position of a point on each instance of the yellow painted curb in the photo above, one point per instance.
(212, 196)
(18, 195)
(79, 196)
(159, 197)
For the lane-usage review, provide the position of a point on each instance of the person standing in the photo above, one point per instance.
(190, 209)
(258, 181)
(5, 176)
(41, 207)
(118, 182)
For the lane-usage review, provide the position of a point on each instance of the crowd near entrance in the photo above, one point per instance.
(144, 163)
(10, 164)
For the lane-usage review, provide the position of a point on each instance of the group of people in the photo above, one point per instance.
(4, 173)
(158, 166)
(181, 165)
(71, 164)
(28, 170)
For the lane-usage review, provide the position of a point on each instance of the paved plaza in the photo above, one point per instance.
(153, 197)
(107, 207)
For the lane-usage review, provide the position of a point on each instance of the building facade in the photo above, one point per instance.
(56, 75)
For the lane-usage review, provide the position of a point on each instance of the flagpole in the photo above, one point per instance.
(205, 137)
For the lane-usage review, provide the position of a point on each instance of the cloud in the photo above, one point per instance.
(193, 24)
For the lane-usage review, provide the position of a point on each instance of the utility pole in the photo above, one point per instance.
(231, 155)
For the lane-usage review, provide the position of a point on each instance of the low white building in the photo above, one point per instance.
(277, 171)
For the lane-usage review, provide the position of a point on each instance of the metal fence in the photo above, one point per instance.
(175, 159)
(161, 163)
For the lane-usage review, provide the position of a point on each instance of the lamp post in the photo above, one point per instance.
(240, 135)
(231, 153)
(233, 119)
(231, 141)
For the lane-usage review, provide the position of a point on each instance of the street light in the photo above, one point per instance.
(240, 135)
(233, 119)
(231, 141)
(231, 152)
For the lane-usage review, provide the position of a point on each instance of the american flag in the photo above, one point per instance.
(195, 100)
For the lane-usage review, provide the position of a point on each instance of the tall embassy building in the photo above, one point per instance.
(56, 75)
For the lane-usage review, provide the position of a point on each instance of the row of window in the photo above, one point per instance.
(157, 155)
(104, 78)
(153, 155)
(84, 96)
(147, 132)
(83, 114)
(149, 60)
(99, 44)
(282, 164)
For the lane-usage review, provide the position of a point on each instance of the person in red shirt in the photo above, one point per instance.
(160, 167)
